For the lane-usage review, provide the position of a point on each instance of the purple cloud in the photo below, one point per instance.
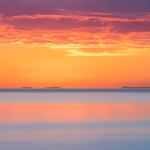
(126, 27)
(122, 16)
(27, 7)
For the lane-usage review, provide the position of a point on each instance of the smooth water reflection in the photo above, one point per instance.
(44, 113)
(75, 120)
(71, 96)
(75, 132)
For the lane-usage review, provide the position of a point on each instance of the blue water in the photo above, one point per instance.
(67, 135)
(74, 95)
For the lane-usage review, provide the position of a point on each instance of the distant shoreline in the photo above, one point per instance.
(60, 88)
(54, 87)
(135, 87)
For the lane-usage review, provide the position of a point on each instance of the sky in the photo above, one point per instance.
(74, 43)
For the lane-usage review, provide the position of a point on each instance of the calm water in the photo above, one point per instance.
(74, 119)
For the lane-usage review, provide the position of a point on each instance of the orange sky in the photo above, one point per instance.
(61, 44)
(42, 67)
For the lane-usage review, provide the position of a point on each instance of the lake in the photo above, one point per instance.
(74, 119)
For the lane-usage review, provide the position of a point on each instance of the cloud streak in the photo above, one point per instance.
(83, 53)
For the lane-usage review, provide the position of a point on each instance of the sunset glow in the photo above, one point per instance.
(73, 44)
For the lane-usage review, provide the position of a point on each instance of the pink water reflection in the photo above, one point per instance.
(47, 113)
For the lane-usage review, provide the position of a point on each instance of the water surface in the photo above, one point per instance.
(73, 119)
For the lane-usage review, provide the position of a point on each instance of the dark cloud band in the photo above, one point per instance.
(27, 7)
